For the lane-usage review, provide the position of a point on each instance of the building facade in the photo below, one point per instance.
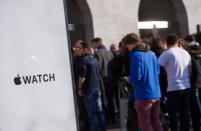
(112, 19)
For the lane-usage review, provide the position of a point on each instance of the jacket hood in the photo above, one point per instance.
(142, 47)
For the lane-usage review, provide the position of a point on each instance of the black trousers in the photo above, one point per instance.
(195, 108)
(178, 109)
(110, 102)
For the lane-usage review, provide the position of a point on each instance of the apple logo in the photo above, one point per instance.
(17, 80)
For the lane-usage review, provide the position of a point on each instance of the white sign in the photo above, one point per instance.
(36, 91)
(151, 24)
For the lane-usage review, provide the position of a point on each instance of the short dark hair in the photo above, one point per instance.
(171, 39)
(96, 40)
(85, 45)
(131, 38)
(189, 38)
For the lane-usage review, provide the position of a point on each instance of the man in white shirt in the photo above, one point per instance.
(177, 63)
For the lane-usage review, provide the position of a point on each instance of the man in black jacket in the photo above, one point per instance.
(195, 51)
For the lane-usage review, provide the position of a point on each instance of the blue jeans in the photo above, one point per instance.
(95, 111)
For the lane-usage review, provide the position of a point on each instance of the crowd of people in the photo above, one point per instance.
(157, 70)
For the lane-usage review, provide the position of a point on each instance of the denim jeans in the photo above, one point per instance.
(178, 109)
(148, 112)
(95, 111)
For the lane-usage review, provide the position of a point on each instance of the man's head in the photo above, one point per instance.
(188, 39)
(96, 42)
(131, 41)
(113, 48)
(76, 48)
(158, 43)
(85, 48)
(172, 40)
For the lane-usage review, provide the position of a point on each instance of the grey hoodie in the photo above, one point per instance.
(142, 47)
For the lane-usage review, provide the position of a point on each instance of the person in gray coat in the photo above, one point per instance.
(105, 57)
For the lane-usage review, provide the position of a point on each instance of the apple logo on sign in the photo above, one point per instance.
(17, 80)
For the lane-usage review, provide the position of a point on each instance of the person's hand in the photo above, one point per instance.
(126, 78)
(80, 93)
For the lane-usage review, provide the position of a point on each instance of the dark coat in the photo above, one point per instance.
(104, 57)
(195, 52)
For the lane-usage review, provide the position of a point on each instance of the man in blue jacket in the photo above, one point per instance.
(144, 71)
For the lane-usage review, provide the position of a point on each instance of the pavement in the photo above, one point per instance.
(116, 125)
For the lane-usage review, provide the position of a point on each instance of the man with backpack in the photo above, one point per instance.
(144, 71)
